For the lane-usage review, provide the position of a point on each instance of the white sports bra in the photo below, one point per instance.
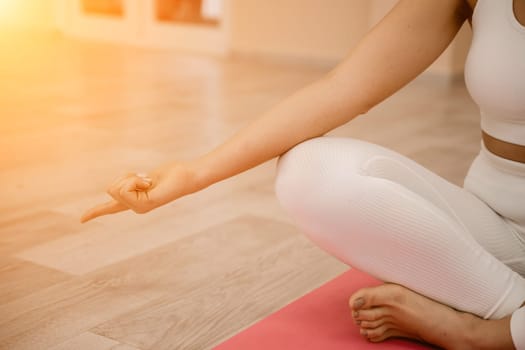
(495, 70)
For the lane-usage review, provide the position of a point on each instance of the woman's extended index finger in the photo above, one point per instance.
(110, 207)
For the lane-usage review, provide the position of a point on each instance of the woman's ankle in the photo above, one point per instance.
(489, 334)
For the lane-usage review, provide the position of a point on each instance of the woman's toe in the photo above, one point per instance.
(364, 298)
(372, 324)
(374, 333)
(372, 314)
(385, 294)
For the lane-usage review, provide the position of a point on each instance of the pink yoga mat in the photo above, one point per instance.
(319, 320)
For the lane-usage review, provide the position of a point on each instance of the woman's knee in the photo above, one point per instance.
(297, 171)
(313, 163)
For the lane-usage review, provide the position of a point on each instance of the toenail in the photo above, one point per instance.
(358, 303)
(355, 314)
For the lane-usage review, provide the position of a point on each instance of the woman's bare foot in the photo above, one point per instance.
(391, 310)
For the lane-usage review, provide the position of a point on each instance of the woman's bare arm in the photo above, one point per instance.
(410, 37)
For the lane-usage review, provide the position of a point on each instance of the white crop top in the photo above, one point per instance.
(495, 69)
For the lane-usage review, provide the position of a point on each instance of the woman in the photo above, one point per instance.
(454, 257)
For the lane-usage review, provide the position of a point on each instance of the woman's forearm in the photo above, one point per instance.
(310, 112)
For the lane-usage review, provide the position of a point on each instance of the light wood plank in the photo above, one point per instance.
(90, 341)
(56, 314)
(33, 229)
(21, 278)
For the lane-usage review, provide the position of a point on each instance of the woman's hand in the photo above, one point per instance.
(144, 192)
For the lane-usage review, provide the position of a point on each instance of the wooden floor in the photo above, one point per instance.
(193, 273)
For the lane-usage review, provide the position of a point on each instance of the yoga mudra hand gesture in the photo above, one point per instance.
(142, 193)
(457, 255)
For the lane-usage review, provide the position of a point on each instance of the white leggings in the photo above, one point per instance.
(384, 214)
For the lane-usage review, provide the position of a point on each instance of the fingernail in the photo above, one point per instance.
(358, 323)
(363, 332)
(359, 303)
(355, 314)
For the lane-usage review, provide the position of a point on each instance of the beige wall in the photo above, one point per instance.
(313, 31)
(308, 29)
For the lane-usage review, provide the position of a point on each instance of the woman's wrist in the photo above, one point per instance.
(198, 174)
